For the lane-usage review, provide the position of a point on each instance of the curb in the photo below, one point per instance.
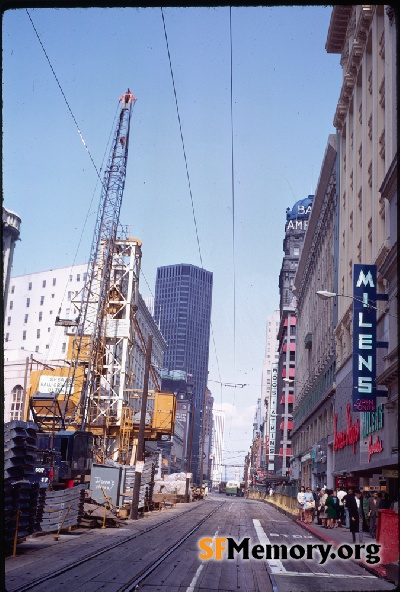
(379, 571)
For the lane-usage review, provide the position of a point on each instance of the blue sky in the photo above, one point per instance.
(285, 92)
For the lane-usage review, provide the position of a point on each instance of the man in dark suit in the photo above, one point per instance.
(356, 514)
(372, 513)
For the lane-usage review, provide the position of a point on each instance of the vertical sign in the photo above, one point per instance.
(364, 338)
(272, 416)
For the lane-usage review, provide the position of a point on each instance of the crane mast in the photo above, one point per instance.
(89, 340)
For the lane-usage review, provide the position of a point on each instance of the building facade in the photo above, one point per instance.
(295, 230)
(182, 310)
(365, 39)
(217, 445)
(312, 436)
(32, 339)
(175, 450)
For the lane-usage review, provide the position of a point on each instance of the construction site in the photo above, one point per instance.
(83, 438)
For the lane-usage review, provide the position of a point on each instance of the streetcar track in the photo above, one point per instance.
(137, 578)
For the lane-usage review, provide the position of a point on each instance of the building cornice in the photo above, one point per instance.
(352, 61)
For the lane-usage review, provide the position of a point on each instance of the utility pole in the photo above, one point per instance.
(189, 451)
(203, 430)
(142, 425)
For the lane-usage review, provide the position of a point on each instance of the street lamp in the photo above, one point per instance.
(325, 295)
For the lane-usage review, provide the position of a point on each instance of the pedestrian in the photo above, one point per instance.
(341, 513)
(356, 514)
(323, 509)
(384, 504)
(318, 505)
(301, 502)
(372, 513)
(350, 492)
(271, 491)
(330, 503)
(314, 510)
(309, 505)
(205, 491)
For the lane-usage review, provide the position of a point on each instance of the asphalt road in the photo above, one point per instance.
(238, 528)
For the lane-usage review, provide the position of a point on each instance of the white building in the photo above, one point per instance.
(217, 445)
(32, 339)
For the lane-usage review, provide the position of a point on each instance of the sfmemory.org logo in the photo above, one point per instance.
(222, 548)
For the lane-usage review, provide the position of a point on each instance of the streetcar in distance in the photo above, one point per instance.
(232, 488)
(222, 487)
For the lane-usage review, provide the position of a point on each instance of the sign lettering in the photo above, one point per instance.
(347, 437)
(374, 447)
(364, 338)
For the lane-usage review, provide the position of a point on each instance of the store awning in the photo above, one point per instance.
(288, 372)
(290, 399)
(292, 346)
(289, 424)
(288, 452)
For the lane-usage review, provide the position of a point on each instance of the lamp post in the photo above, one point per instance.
(326, 295)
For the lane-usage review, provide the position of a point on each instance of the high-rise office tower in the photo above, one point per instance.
(182, 310)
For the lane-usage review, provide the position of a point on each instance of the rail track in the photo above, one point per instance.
(78, 565)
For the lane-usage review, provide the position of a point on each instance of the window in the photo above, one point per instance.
(8, 320)
(52, 295)
(37, 348)
(40, 316)
(7, 336)
(30, 286)
(12, 289)
(296, 251)
(54, 281)
(11, 305)
(38, 333)
(70, 278)
(17, 402)
(41, 300)
(44, 284)
(78, 277)
(48, 329)
(24, 335)
(64, 347)
(47, 346)
(69, 295)
(26, 318)
(28, 301)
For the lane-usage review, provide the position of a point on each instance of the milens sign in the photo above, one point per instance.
(364, 337)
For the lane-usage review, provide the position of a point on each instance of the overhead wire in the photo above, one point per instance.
(98, 177)
(182, 140)
(233, 207)
(187, 174)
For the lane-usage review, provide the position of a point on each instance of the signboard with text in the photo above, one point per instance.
(364, 338)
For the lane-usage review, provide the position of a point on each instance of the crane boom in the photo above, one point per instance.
(95, 294)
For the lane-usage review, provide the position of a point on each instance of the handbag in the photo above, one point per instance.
(310, 503)
(300, 506)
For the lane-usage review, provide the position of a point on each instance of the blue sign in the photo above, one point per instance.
(364, 338)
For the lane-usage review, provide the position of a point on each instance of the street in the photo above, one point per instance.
(186, 549)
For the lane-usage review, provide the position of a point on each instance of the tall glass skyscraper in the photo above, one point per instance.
(182, 310)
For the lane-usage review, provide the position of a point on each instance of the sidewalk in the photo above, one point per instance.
(339, 536)
(342, 535)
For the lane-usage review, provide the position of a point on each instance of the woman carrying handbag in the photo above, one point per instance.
(301, 502)
(309, 505)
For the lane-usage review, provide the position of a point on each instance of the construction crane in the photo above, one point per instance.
(96, 393)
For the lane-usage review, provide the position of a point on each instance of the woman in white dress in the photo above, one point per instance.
(301, 502)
